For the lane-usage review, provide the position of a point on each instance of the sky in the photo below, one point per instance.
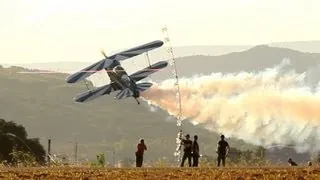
(76, 30)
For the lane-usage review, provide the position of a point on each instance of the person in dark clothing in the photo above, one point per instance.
(141, 147)
(195, 151)
(222, 150)
(292, 163)
(187, 151)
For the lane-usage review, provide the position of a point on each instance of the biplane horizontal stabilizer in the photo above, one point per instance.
(143, 86)
(125, 93)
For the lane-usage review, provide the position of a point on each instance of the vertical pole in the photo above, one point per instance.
(178, 96)
(114, 160)
(76, 152)
(49, 151)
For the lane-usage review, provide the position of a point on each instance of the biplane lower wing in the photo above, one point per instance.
(95, 93)
(137, 76)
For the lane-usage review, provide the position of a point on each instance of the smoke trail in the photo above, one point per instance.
(264, 108)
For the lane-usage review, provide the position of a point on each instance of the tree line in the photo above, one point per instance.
(16, 147)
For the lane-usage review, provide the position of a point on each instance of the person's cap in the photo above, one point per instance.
(187, 135)
(222, 135)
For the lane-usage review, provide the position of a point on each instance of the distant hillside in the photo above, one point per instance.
(303, 46)
(254, 59)
(43, 104)
(140, 61)
(189, 52)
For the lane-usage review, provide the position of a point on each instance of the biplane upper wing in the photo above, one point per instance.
(88, 71)
(108, 61)
(95, 93)
(137, 76)
(136, 50)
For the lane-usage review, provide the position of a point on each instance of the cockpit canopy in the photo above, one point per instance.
(118, 69)
(121, 73)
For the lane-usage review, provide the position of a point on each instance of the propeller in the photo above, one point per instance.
(104, 54)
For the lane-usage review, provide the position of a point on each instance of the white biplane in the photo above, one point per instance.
(120, 81)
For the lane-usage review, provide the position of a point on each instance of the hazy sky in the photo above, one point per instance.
(76, 30)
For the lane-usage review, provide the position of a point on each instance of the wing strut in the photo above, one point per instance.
(147, 58)
(86, 83)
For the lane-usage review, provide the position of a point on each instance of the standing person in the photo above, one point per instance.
(195, 151)
(222, 150)
(141, 147)
(187, 151)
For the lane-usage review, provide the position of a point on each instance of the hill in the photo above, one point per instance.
(255, 59)
(303, 46)
(179, 51)
(189, 52)
(43, 104)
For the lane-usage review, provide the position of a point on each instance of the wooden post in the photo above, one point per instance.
(49, 151)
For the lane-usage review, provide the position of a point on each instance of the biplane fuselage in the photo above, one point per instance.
(120, 80)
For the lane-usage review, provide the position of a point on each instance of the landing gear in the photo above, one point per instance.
(137, 101)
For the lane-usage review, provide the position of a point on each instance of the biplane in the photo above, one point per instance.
(127, 86)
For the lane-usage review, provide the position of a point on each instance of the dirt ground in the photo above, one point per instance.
(160, 173)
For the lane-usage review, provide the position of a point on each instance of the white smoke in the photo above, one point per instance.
(274, 106)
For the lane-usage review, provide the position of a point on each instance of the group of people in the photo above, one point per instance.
(190, 151)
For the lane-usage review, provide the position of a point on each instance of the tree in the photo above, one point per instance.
(14, 143)
(317, 159)
(260, 155)
(101, 159)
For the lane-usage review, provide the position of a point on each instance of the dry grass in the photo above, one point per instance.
(160, 173)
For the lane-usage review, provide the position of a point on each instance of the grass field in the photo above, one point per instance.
(161, 173)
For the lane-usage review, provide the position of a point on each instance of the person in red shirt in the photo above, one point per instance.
(141, 147)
